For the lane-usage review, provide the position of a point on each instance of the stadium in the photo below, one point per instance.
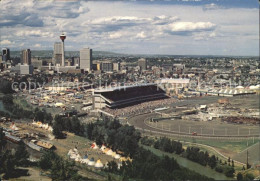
(119, 97)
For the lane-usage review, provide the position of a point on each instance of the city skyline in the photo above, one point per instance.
(202, 28)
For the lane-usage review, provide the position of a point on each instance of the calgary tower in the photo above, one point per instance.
(63, 37)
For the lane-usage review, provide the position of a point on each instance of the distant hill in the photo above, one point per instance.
(48, 53)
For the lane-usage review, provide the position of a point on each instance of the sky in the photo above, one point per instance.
(177, 27)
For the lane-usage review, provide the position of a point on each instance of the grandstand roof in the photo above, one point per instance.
(110, 89)
(129, 95)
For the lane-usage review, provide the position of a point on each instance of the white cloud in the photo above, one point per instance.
(162, 19)
(141, 35)
(115, 35)
(191, 26)
(34, 33)
(121, 26)
(213, 34)
(37, 45)
(6, 42)
(212, 6)
(117, 20)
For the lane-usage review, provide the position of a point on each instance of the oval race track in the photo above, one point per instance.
(141, 122)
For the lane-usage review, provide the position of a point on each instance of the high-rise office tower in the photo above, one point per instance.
(5, 54)
(107, 66)
(26, 56)
(86, 59)
(142, 63)
(62, 37)
(116, 66)
(57, 53)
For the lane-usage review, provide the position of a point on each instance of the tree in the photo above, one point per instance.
(8, 99)
(212, 161)
(229, 171)
(239, 177)
(62, 170)
(21, 155)
(46, 160)
(6, 86)
(39, 115)
(248, 177)
(7, 164)
(58, 127)
(219, 169)
(2, 139)
(112, 167)
(57, 131)
(75, 125)
(233, 165)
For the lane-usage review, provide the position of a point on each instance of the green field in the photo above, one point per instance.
(191, 165)
(253, 154)
(229, 148)
(23, 103)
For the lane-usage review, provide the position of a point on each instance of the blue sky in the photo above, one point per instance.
(184, 27)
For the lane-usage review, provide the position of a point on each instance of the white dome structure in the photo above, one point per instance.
(239, 87)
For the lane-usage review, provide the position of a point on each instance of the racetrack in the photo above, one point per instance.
(185, 129)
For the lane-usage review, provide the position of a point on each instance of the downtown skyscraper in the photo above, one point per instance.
(86, 59)
(57, 53)
(26, 57)
(5, 54)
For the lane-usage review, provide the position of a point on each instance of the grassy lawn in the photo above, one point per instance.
(23, 103)
(253, 154)
(191, 165)
(34, 175)
(83, 145)
(226, 147)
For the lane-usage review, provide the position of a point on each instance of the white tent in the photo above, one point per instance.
(73, 156)
(117, 156)
(109, 152)
(103, 147)
(99, 164)
(78, 159)
(14, 127)
(94, 146)
(91, 162)
(50, 129)
(70, 152)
